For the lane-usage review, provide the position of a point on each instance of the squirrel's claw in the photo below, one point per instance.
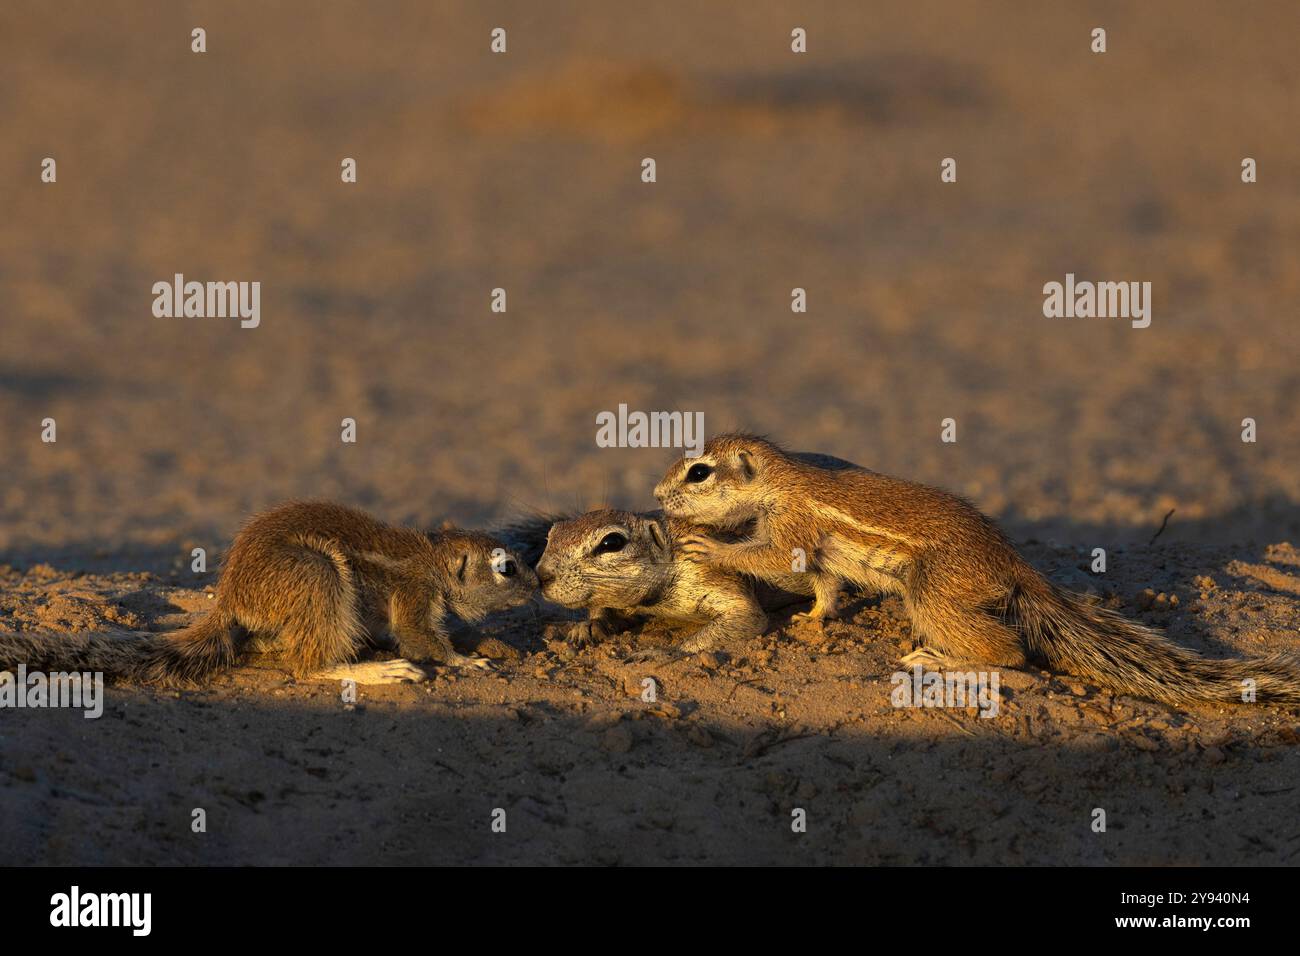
(470, 660)
(583, 634)
(699, 549)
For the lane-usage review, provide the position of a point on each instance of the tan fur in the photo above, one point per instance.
(319, 580)
(645, 578)
(646, 581)
(970, 595)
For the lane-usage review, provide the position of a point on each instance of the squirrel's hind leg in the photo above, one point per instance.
(304, 592)
(826, 601)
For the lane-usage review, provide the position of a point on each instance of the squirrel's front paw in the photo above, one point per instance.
(700, 549)
(583, 634)
(696, 644)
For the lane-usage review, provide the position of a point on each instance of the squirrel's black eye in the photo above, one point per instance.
(614, 541)
(507, 568)
(698, 473)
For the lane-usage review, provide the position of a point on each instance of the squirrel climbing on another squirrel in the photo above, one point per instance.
(624, 566)
(970, 596)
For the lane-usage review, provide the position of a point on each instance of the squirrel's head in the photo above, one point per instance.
(724, 486)
(484, 575)
(607, 558)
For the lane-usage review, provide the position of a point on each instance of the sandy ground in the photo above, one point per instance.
(774, 171)
(711, 771)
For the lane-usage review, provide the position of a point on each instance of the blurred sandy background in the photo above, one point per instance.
(522, 171)
(775, 171)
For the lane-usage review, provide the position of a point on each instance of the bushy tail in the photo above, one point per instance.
(1072, 635)
(186, 656)
(196, 653)
(118, 656)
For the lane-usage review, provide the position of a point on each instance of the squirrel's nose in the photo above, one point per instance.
(544, 575)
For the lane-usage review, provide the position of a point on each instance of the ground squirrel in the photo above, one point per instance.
(621, 566)
(319, 580)
(969, 594)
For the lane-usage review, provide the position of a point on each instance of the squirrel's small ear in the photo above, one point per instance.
(460, 568)
(658, 536)
(746, 464)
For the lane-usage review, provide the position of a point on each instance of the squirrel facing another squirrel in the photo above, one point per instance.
(324, 580)
(621, 566)
(970, 596)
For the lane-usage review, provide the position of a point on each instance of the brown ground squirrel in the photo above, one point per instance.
(319, 580)
(969, 594)
(621, 566)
